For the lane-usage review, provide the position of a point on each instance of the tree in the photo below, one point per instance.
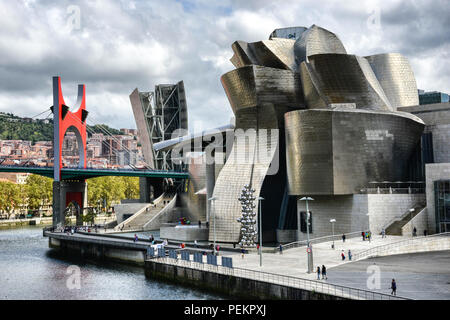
(131, 187)
(105, 190)
(10, 197)
(39, 191)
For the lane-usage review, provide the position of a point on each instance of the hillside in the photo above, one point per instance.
(13, 127)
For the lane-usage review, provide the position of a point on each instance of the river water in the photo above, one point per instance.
(30, 270)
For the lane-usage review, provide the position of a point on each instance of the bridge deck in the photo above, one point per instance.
(86, 173)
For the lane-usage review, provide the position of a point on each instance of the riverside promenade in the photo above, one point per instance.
(293, 262)
(281, 276)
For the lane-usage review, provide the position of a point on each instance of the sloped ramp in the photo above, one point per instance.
(137, 221)
(394, 227)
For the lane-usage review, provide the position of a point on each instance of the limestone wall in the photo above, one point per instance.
(351, 212)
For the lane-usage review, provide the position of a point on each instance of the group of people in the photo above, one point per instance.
(74, 229)
(322, 271)
(366, 235)
(350, 255)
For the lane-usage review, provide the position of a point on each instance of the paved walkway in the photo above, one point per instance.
(293, 262)
(424, 275)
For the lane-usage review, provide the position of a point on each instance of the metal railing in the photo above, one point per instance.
(288, 281)
(23, 166)
(303, 243)
(376, 251)
(392, 190)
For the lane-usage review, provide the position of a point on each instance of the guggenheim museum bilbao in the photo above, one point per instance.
(344, 130)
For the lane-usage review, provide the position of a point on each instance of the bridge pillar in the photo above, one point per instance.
(149, 189)
(64, 193)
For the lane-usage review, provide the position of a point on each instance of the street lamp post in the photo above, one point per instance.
(214, 223)
(260, 232)
(309, 249)
(410, 219)
(332, 228)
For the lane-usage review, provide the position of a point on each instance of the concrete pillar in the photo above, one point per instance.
(144, 190)
(150, 189)
(57, 204)
(63, 193)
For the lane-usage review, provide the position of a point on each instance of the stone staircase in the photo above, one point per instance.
(394, 227)
(137, 221)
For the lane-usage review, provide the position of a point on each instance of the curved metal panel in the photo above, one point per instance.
(252, 85)
(314, 98)
(317, 40)
(242, 167)
(396, 76)
(276, 53)
(343, 78)
(340, 151)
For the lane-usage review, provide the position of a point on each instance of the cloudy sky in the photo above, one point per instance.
(116, 46)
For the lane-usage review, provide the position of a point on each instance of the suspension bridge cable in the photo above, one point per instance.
(110, 135)
(48, 109)
(107, 133)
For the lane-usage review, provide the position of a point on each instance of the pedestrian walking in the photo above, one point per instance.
(217, 249)
(318, 273)
(383, 233)
(414, 232)
(324, 272)
(363, 234)
(349, 255)
(195, 243)
(242, 252)
(281, 249)
(135, 237)
(199, 224)
(343, 238)
(343, 255)
(425, 233)
(394, 287)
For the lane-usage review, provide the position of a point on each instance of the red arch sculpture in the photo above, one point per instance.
(63, 119)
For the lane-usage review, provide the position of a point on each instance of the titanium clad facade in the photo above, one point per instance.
(337, 128)
(242, 167)
(259, 97)
(396, 77)
(341, 151)
(276, 53)
(342, 78)
(250, 86)
(317, 40)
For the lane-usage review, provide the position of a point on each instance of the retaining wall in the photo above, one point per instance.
(229, 285)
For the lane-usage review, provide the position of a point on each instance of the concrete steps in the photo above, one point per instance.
(144, 215)
(395, 227)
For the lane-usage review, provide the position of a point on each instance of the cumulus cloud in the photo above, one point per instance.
(120, 45)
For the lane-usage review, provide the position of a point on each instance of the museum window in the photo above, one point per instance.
(442, 201)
